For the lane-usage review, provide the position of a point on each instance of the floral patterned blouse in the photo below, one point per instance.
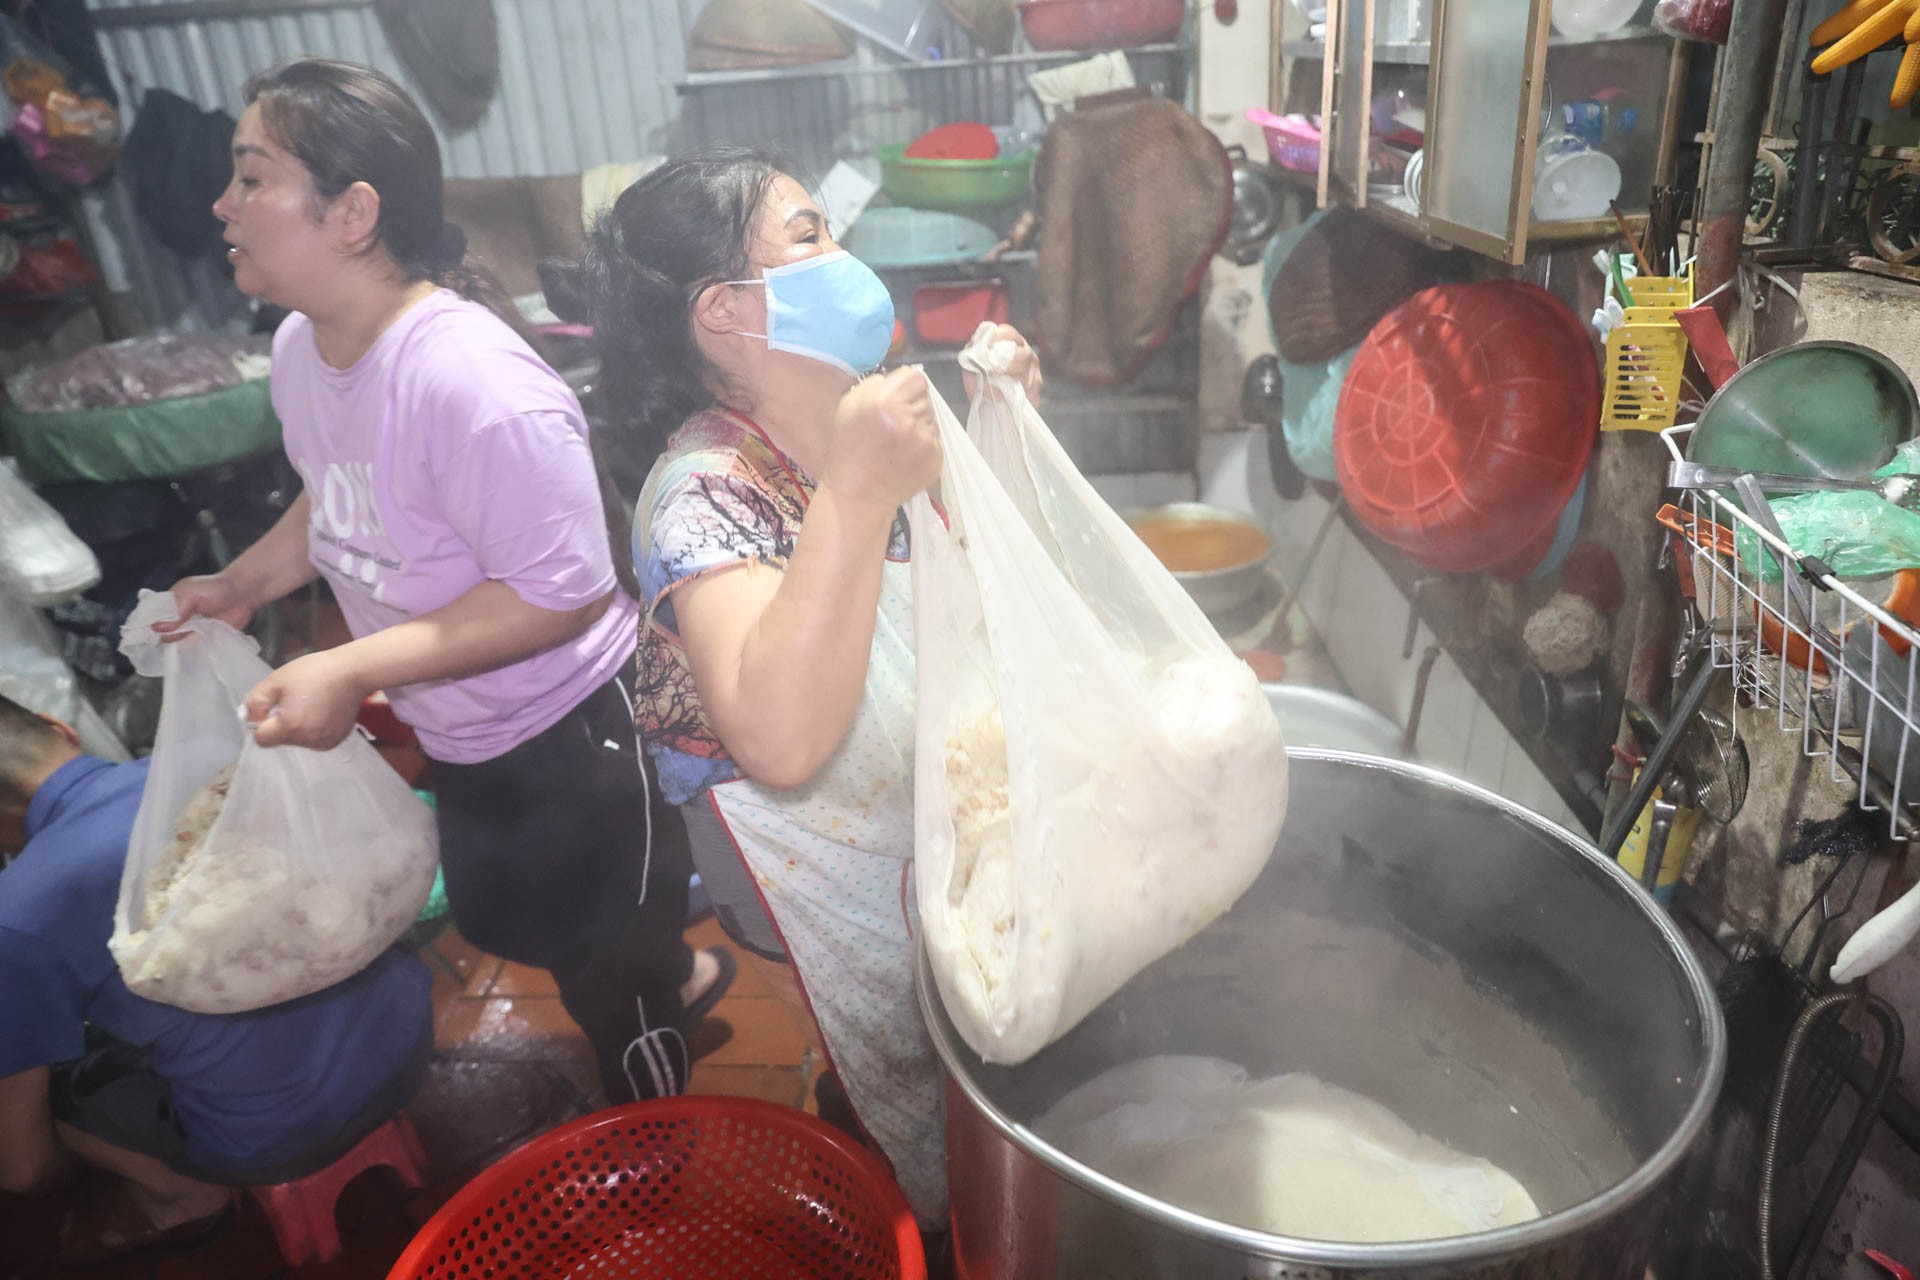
(720, 497)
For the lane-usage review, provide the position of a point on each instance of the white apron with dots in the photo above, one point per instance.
(832, 861)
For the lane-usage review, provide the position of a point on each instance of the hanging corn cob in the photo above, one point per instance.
(1850, 16)
(1908, 81)
(1860, 27)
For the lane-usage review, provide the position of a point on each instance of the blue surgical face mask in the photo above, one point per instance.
(830, 308)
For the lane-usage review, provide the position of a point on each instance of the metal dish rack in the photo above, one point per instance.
(812, 116)
(1849, 708)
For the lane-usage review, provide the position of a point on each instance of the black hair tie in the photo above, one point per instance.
(449, 248)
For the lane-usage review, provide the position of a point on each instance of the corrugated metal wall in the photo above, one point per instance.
(582, 82)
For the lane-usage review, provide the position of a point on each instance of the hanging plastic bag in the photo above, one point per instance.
(1309, 396)
(1097, 777)
(62, 124)
(1709, 21)
(71, 108)
(41, 561)
(1856, 534)
(34, 674)
(255, 875)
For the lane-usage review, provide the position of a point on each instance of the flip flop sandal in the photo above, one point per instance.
(704, 1003)
(107, 1226)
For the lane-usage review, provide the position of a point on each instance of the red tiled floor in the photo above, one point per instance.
(515, 1028)
(454, 953)
(469, 1113)
(765, 1033)
(247, 1250)
(480, 982)
(707, 933)
(784, 1085)
(523, 980)
(581, 1072)
(453, 1021)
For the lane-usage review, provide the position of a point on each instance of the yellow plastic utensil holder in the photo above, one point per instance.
(1646, 356)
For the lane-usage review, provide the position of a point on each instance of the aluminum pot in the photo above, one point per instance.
(1489, 976)
(1216, 591)
(1311, 717)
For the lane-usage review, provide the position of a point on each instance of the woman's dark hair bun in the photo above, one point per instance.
(681, 228)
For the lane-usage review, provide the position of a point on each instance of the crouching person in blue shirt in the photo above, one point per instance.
(178, 1107)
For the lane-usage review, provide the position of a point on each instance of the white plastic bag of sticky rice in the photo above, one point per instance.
(1097, 776)
(255, 874)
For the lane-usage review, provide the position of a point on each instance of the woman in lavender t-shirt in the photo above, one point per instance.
(451, 504)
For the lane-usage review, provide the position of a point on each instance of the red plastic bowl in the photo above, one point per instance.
(1466, 422)
(963, 140)
(948, 314)
(691, 1188)
(1099, 24)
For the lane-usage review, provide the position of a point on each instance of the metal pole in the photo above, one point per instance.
(1745, 86)
(1806, 161)
(1840, 169)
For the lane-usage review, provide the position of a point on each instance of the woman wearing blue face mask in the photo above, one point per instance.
(776, 685)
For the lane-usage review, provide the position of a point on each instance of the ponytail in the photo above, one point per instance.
(451, 267)
(681, 228)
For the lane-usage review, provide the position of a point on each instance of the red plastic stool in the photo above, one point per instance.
(302, 1212)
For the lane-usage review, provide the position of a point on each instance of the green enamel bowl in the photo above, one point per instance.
(1815, 409)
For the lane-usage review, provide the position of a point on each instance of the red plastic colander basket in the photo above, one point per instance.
(1465, 423)
(692, 1188)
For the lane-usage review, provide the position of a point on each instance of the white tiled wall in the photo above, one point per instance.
(1234, 74)
(1361, 617)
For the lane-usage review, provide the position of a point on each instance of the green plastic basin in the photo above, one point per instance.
(954, 184)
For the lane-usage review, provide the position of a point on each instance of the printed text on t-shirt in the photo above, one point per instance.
(344, 510)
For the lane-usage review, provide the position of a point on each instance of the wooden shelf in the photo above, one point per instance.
(1385, 54)
(1420, 53)
(1398, 212)
(1584, 229)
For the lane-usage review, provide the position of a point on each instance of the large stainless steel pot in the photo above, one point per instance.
(1487, 975)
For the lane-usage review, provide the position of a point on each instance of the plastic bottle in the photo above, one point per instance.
(1598, 121)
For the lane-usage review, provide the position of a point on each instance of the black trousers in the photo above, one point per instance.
(547, 863)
